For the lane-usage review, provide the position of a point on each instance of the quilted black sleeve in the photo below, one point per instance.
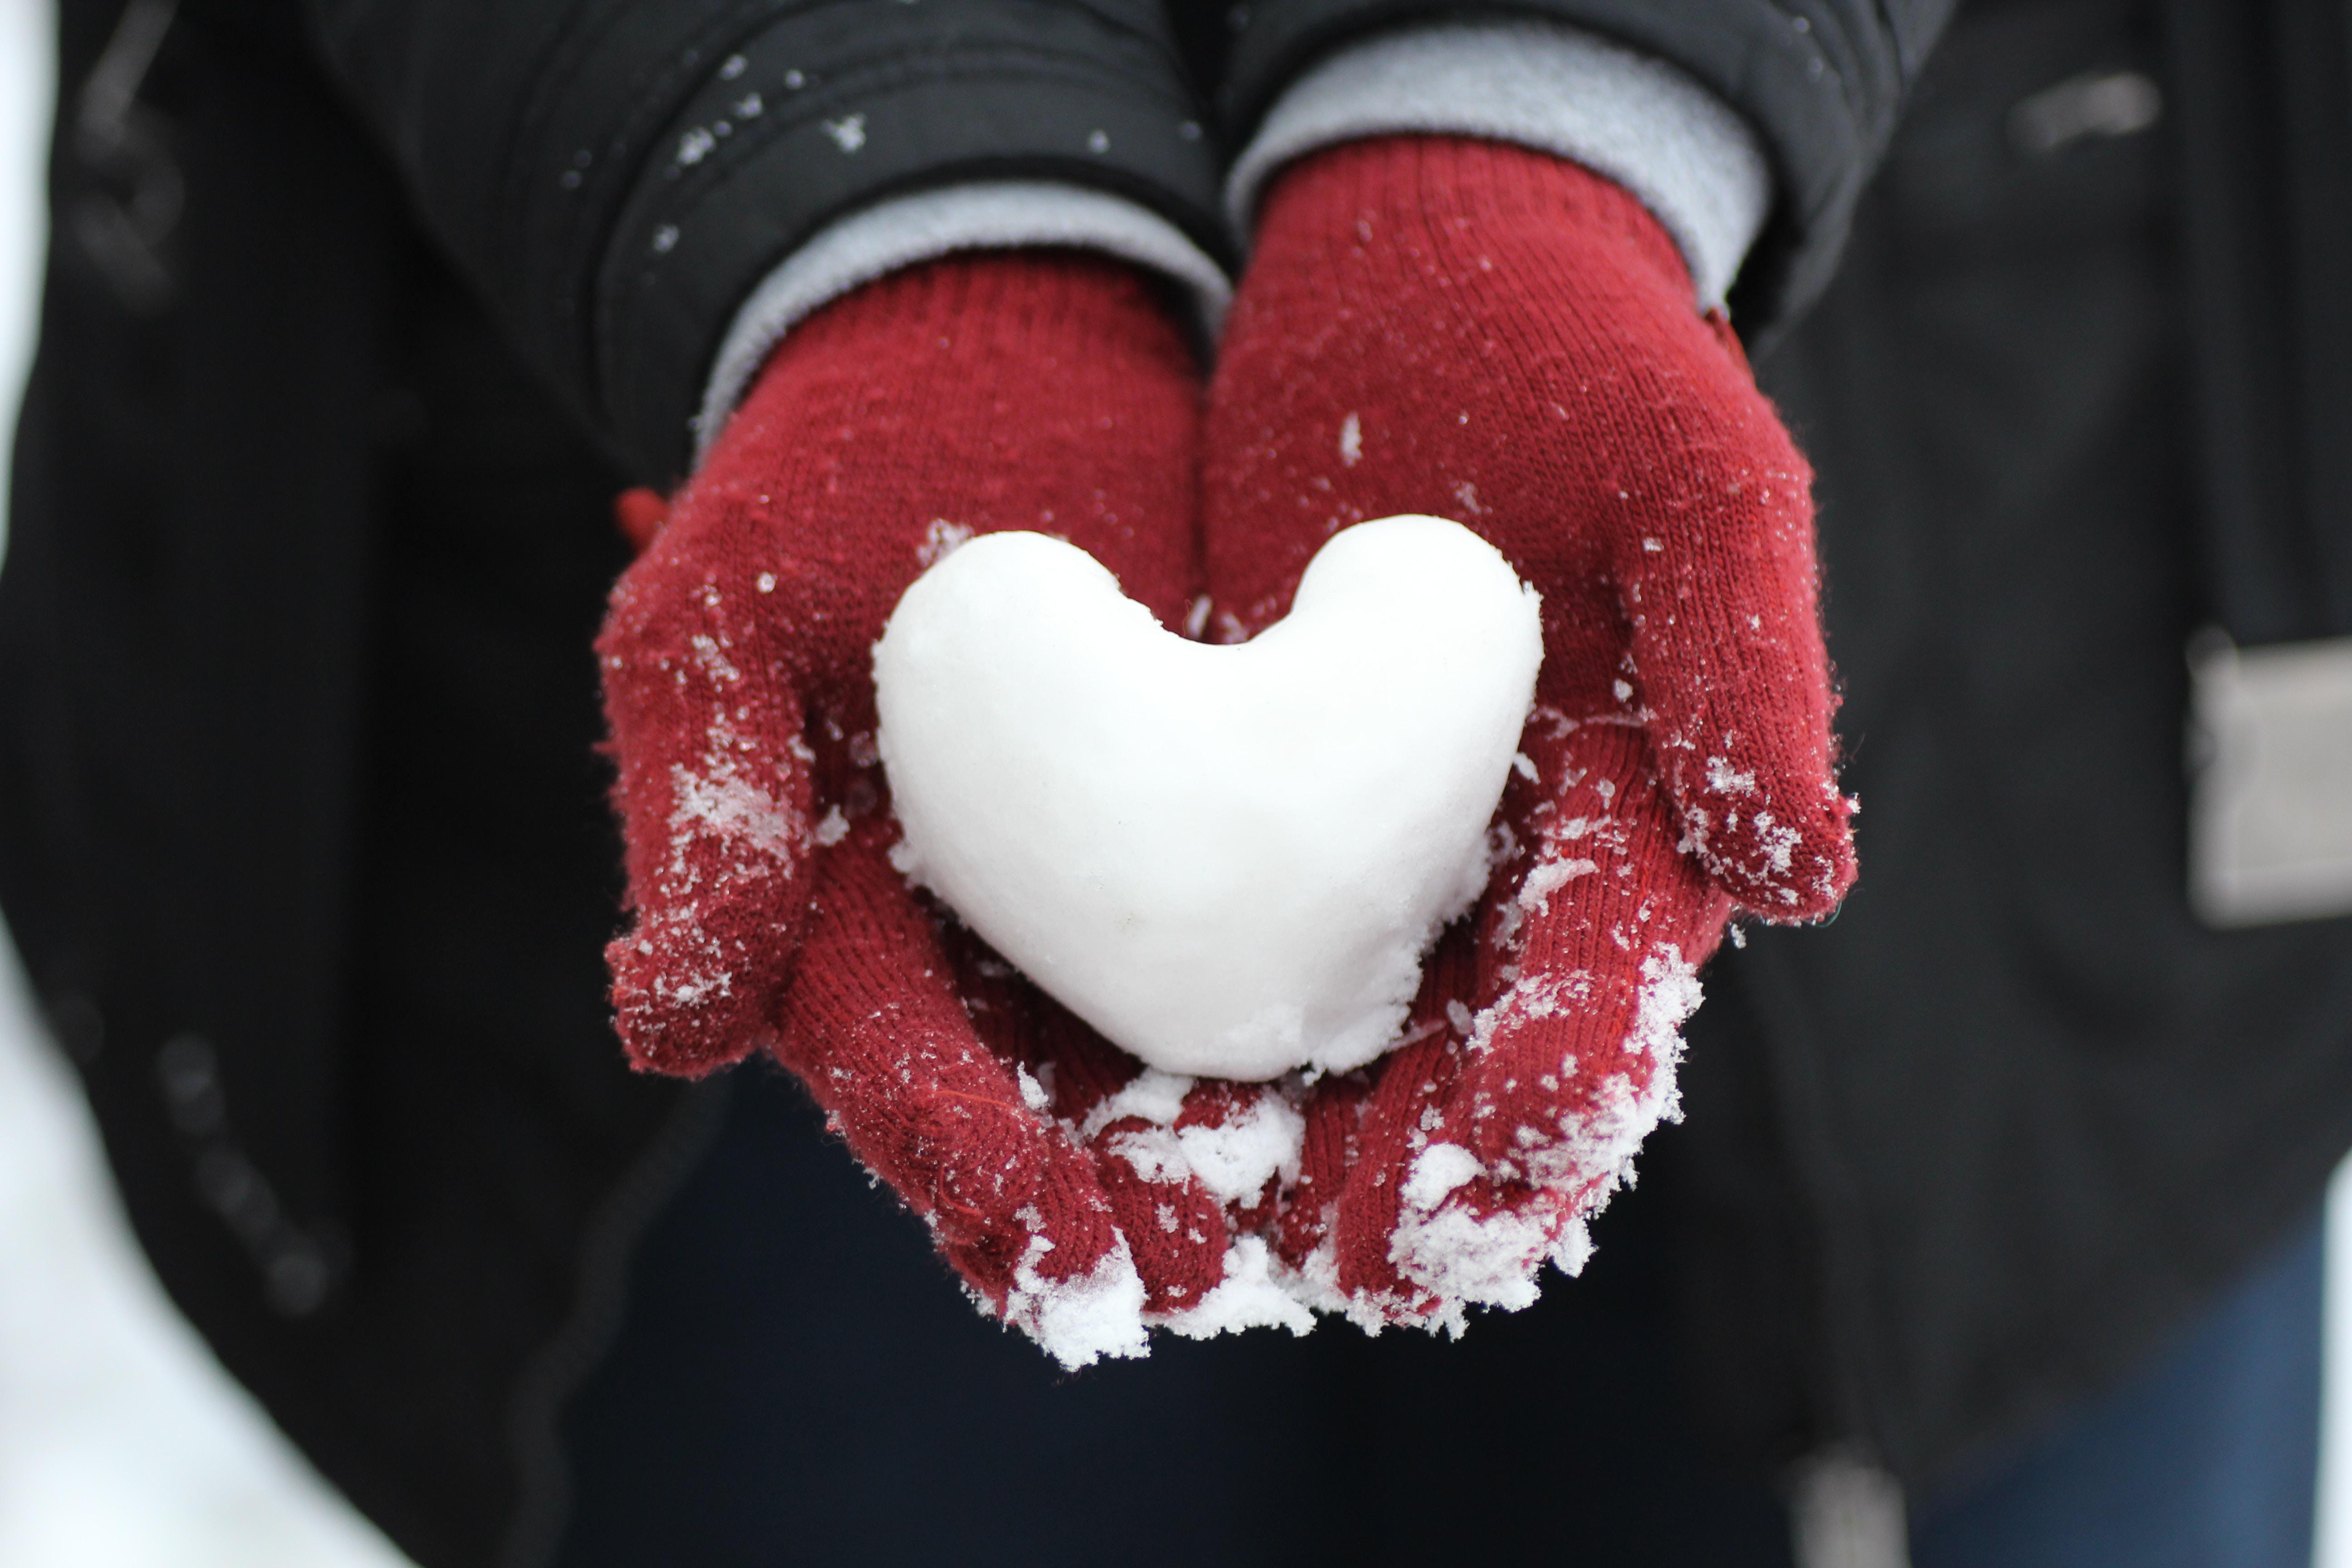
(1822, 82)
(618, 174)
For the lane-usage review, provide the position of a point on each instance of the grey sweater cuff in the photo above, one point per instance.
(981, 215)
(1675, 145)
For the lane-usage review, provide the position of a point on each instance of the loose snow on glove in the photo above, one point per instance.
(1233, 1158)
(1240, 1145)
(1465, 1249)
(1230, 860)
(1078, 1320)
(1249, 1296)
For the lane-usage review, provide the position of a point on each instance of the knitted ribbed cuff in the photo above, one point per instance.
(1675, 145)
(981, 216)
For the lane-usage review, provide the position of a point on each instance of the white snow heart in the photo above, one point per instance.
(1230, 860)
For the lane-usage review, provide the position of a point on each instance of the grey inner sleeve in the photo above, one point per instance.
(983, 215)
(1678, 148)
(1689, 159)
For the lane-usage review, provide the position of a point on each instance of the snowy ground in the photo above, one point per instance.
(122, 1444)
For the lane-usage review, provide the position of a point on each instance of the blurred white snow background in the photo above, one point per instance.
(122, 1444)
(2334, 1549)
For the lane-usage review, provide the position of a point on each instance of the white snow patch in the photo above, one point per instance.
(713, 804)
(1458, 1256)
(941, 541)
(710, 654)
(1078, 1321)
(1602, 1142)
(1248, 1296)
(1670, 994)
(730, 806)
(1154, 1153)
(1155, 1096)
(1437, 1172)
(1466, 1260)
(1548, 878)
(1351, 440)
(1722, 779)
(1236, 1160)
(1780, 844)
(1315, 1283)
(1233, 1160)
(1573, 1248)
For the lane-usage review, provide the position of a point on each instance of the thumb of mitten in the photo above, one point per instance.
(1728, 665)
(714, 796)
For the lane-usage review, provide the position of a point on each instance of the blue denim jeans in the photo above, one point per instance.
(799, 1380)
(2208, 1457)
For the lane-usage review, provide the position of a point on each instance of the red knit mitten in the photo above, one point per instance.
(1471, 329)
(1017, 390)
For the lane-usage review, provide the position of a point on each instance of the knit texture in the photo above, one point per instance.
(1036, 390)
(942, 220)
(1621, 112)
(1482, 331)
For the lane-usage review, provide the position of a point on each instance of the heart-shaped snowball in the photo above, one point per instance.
(1230, 860)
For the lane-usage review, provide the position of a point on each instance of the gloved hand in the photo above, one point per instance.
(1022, 390)
(1434, 324)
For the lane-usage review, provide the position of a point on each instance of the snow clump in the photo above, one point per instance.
(1228, 859)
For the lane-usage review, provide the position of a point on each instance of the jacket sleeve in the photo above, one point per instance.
(1819, 82)
(619, 177)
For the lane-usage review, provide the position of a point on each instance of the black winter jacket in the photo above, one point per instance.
(358, 314)
(2067, 407)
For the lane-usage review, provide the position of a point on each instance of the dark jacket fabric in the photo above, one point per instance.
(304, 842)
(357, 315)
(1821, 81)
(1987, 1137)
(616, 179)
